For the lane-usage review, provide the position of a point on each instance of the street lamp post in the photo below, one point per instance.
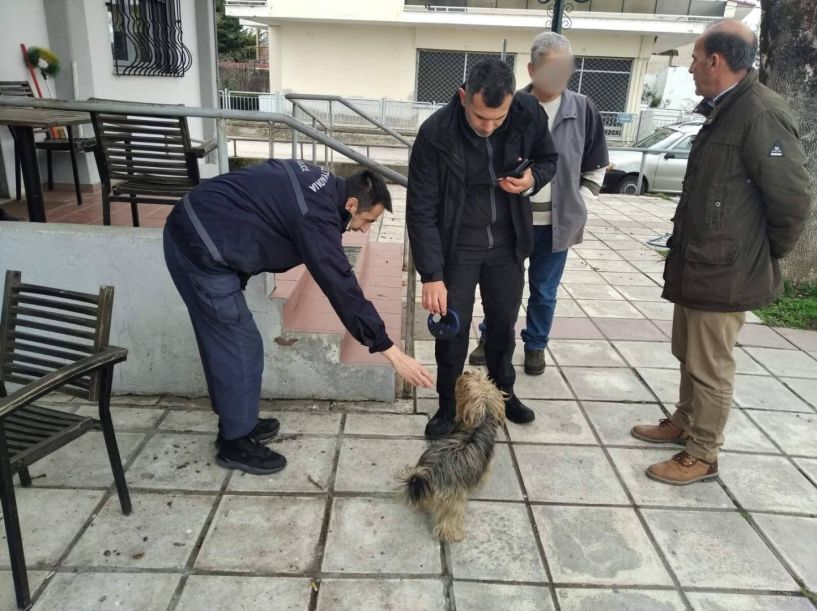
(557, 13)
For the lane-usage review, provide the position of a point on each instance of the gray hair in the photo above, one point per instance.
(546, 42)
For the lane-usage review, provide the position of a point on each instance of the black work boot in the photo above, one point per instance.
(518, 412)
(265, 429)
(477, 357)
(248, 455)
(534, 362)
(441, 424)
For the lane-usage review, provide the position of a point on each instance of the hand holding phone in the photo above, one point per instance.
(516, 169)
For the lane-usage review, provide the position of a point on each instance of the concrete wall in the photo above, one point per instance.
(151, 321)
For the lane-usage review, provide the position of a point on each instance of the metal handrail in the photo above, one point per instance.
(408, 260)
(221, 117)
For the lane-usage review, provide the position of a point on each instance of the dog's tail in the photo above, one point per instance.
(416, 484)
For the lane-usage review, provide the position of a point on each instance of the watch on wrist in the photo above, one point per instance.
(527, 192)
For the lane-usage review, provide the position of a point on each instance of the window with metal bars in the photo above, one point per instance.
(606, 81)
(439, 73)
(146, 38)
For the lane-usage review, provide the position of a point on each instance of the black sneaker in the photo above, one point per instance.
(535, 362)
(5, 216)
(477, 357)
(247, 454)
(440, 425)
(265, 429)
(518, 412)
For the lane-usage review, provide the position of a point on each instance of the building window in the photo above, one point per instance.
(146, 38)
(606, 81)
(439, 73)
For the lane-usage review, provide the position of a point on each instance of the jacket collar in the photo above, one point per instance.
(712, 110)
(342, 190)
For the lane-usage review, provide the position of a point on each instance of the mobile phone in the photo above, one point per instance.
(516, 169)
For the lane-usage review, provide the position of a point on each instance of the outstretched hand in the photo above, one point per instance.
(408, 368)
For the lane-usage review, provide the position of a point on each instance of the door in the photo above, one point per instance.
(669, 175)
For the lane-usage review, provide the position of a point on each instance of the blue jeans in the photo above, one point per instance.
(544, 276)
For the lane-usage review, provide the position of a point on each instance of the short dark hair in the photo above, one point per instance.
(738, 52)
(369, 189)
(493, 78)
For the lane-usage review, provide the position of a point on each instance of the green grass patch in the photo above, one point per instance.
(796, 309)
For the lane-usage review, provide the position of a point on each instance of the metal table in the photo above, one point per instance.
(23, 122)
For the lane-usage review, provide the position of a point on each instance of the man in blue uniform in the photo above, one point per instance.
(269, 218)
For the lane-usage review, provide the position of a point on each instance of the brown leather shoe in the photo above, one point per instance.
(663, 432)
(683, 469)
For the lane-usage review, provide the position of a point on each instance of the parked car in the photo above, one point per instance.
(662, 172)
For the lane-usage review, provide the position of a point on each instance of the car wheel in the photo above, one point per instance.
(629, 185)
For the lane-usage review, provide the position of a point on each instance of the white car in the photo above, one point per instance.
(663, 172)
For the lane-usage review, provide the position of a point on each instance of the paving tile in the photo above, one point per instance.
(424, 352)
(593, 291)
(125, 591)
(715, 601)
(655, 310)
(632, 464)
(734, 556)
(262, 533)
(809, 467)
(807, 389)
(501, 482)
(598, 545)
(746, 364)
(663, 382)
(548, 386)
(607, 384)
(641, 293)
(789, 363)
(188, 420)
(585, 599)
(159, 534)
(794, 538)
(370, 465)
(185, 402)
(767, 483)
(795, 433)
(375, 407)
(568, 308)
(582, 277)
(763, 336)
(803, 339)
(126, 418)
(376, 594)
(585, 353)
(766, 393)
(135, 400)
(364, 534)
(499, 545)
(648, 354)
(599, 308)
(567, 474)
(556, 422)
(245, 593)
(177, 461)
(476, 596)
(83, 462)
(743, 435)
(573, 328)
(613, 421)
(629, 279)
(49, 520)
(630, 329)
(309, 466)
(385, 424)
(8, 600)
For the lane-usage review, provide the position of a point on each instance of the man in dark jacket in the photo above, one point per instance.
(744, 203)
(469, 226)
(269, 218)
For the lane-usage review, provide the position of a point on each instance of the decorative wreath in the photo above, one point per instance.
(45, 60)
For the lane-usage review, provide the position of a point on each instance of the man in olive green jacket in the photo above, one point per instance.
(744, 203)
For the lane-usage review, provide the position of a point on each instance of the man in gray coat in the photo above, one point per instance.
(744, 204)
(559, 209)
